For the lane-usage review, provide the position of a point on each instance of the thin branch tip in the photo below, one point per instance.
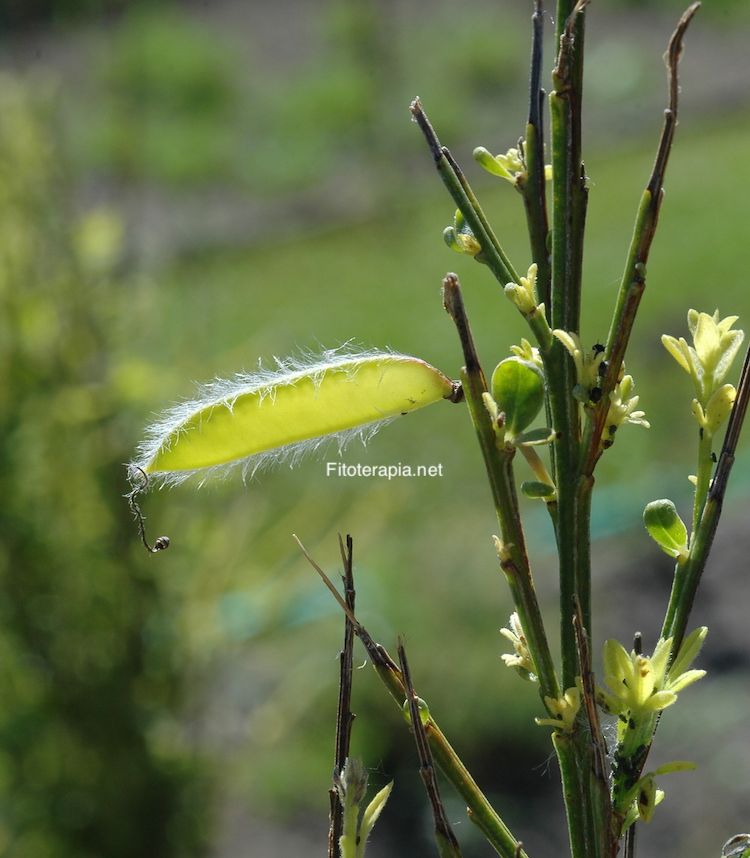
(329, 584)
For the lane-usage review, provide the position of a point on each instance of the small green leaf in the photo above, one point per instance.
(666, 528)
(371, 814)
(518, 390)
(534, 489)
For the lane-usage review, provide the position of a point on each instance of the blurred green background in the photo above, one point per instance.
(187, 188)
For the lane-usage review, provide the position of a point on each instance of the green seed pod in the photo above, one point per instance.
(518, 390)
(253, 419)
(666, 528)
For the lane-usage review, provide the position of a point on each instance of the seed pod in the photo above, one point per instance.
(277, 413)
(518, 390)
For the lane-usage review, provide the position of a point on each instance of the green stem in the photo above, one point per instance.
(454, 180)
(349, 834)
(479, 808)
(575, 809)
(534, 187)
(634, 277)
(498, 463)
(703, 476)
(569, 193)
(445, 838)
(688, 575)
(564, 411)
(568, 215)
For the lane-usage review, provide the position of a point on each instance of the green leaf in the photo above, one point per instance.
(666, 528)
(534, 489)
(518, 390)
(371, 814)
(253, 415)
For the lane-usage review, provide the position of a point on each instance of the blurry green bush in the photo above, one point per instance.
(167, 102)
(91, 763)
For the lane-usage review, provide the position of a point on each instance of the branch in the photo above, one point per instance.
(344, 715)
(569, 198)
(498, 463)
(465, 199)
(633, 281)
(688, 577)
(534, 188)
(594, 746)
(444, 836)
(569, 191)
(479, 808)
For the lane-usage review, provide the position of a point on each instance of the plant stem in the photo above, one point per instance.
(498, 463)
(534, 191)
(534, 187)
(587, 803)
(344, 715)
(446, 840)
(568, 221)
(591, 751)
(634, 277)
(454, 180)
(569, 191)
(479, 808)
(703, 476)
(575, 808)
(688, 575)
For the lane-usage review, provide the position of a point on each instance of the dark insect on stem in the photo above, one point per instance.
(161, 542)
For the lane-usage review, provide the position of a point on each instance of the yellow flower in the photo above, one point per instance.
(587, 363)
(639, 686)
(523, 295)
(511, 166)
(520, 660)
(622, 410)
(715, 346)
(563, 709)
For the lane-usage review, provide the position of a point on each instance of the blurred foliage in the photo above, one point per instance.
(168, 101)
(91, 759)
(173, 108)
